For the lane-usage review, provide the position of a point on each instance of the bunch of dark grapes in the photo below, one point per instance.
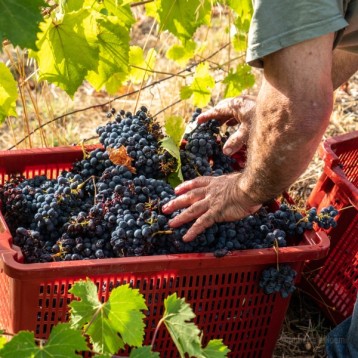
(325, 219)
(140, 135)
(278, 280)
(100, 209)
(94, 163)
(202, 154)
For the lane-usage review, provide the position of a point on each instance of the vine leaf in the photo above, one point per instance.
(68, 49)
(125, 313)
(140, 64)
(119, 156)
(2, 340)
(121, 10)
(102, 322)
(113, 42)
(175, 128)
(8, 93)
(200, 88)
(143, 352)
(170, 146)
(181, 53)
(63, 342)
(19, 21)
(182, 18)
(185, 334)
(237, 81)
(216, 349)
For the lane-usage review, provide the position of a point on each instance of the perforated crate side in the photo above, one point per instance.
(333, 281)
(6, 303)
(228, 304)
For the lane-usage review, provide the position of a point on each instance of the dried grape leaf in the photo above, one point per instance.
(119, 156)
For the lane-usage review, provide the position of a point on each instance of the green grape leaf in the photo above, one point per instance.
(185, 334)
(143, 352)
(169, 145)
(181, 53)
(75, 5)
(182, 18)
(239, 80)
(175, 128)
(63, 342)
(2, 341)
(103, 321)
(125, 306)
(121, 10)
(82, 311)
(19, 21)
(68, 49)
(174, 179)
(8, 93)
(22, 345)
(243, 8)
(113, 42)
(216, 349)
(103, 335)
(139, 64)
(200, 88)
(114, 83)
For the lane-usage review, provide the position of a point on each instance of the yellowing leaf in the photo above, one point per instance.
(140, 65)
(68, 50)
(239, 80)
(201, 87)
(113, 42)
(182, 18)
(119, 156)
(181, 53)
(8, 93)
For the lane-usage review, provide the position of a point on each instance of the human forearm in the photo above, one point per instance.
(292, 112)
(284, 137)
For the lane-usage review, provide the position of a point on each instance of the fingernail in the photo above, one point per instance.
(227, 151)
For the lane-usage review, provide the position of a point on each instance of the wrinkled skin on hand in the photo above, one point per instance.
(233, 111)
(209, 200)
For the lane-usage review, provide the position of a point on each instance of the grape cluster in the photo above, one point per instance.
(325, 219)
(202, 154)
(140, 135)
(278, 280)
(104, 209)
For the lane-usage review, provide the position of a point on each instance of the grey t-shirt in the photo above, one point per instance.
(277, 24)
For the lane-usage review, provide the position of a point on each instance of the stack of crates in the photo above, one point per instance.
(334, 281)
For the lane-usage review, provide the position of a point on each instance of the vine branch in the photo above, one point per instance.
(187, 69)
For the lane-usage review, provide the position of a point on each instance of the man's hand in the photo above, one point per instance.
(232, 111)
(209, 200)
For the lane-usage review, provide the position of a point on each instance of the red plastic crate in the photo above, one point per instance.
(224, 293)
(334, 281)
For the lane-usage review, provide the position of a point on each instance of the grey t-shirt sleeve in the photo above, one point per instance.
(277, 24)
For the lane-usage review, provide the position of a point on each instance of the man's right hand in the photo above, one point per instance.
(233, 111)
